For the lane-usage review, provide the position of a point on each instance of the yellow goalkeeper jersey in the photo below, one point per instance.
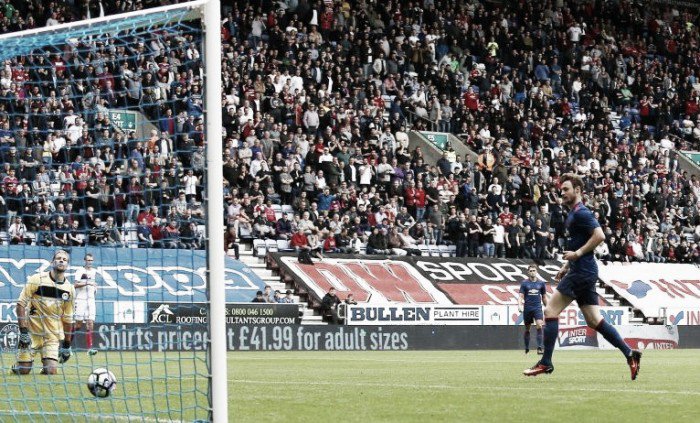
(49, 304)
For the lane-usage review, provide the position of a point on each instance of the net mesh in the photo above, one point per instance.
(102, 146)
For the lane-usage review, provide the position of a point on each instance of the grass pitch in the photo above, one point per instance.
(430, 386)
(463, 386)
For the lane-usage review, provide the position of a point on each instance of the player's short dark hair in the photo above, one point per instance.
(59, 252)
(576, 180)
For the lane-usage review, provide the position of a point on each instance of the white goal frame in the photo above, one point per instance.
(209, 11)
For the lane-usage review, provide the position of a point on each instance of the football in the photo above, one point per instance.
(101, 382)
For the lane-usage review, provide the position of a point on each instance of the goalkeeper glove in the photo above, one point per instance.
(64, 352)
(24, 339)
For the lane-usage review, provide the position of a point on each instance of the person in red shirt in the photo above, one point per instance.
(420, 201)
(409, 198)
(471, 100)
(329, 244)
(299, 241)
(506, 217)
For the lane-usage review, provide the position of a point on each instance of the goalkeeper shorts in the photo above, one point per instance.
(47, 346)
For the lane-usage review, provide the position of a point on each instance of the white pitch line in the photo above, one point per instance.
(84, 415)
(435, 359)
(447, 387)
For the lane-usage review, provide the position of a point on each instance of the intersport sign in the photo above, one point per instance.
(416, 280)
(654, 288)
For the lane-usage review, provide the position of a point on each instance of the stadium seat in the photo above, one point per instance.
(283, 245)
(244, 233)
(132, 238)
(444, 250)
(286, 208)
(259, 248)
(31, 236)
(271, 245)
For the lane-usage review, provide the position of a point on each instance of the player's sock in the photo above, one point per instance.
(613, 336)
(540, 336)
(551, 332)
(88, 337)
(526, 338)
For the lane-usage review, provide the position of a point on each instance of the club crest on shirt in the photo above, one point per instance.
(65, 296)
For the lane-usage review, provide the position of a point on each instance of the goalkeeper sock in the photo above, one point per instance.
(551, 331)
(540, 336)
(88, 337)
(526, 338)
(613, 336)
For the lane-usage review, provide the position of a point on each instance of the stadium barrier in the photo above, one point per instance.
(128, 280)
(444, 281)
(462, 315)
(415, 280)
(292, 337)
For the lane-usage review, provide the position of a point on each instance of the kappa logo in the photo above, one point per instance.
(9, 337)
(162, 314)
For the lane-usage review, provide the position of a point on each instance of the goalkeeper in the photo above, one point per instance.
(45, 317)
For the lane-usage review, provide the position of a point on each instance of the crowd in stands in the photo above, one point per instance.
(319, 97)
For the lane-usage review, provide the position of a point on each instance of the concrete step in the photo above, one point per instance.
(312, 320)
(265, 273)
(309, 312)
(277, 286)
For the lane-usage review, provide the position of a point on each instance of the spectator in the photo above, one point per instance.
(378, 243)
(230, 242)
(258, 298)
(288, 298)
(329, 306)
(17, 232)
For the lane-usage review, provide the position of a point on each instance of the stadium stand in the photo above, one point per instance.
(319, 98)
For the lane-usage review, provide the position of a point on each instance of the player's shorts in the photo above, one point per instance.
(47, 346)
(532, 315)
(579, 287)
(84, 310)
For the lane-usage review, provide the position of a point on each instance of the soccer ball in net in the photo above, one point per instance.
(101, 382)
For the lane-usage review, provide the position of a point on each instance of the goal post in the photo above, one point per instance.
(215, 207)
(116, 123)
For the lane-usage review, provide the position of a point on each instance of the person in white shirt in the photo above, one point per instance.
(17, 231)
(366, 173)
(85, 287)
(256, 164)
(575, 33)
(499, 238)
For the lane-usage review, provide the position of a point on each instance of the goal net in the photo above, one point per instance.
(105, 154)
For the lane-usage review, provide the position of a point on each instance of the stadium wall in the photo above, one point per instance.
(128, 279)
(661, 291)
